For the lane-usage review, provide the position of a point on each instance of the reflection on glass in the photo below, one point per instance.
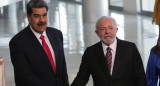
(63, 22)
(118, 3)
(120, 24)
(78, 0)
(6, 2)
(150, 32)
(71, 26)
(3, 2)
(1, 9)
(12, 17)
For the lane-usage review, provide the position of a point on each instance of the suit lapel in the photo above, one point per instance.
(52, 38)
(102, 61)
(118, 59)
(37, 48)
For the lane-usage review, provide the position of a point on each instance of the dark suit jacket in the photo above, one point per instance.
(30, 62)
(127, 71)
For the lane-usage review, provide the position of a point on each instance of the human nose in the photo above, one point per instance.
(106, 30)
(41, 19)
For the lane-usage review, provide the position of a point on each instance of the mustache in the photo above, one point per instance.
(41, 23)
(107, 36)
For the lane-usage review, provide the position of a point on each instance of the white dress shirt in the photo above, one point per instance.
(47, 41)
(113, 47)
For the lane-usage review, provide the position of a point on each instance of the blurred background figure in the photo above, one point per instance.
(153, 66)
(156, 20)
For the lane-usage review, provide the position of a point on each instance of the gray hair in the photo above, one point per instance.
(105, 17)
(35, 4)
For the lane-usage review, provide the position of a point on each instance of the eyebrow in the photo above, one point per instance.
(40, 14)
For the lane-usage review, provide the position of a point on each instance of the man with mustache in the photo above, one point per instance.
(111, 62)
(37, 51)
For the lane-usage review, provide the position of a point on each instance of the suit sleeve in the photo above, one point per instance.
(151, 73)
(139, 73)
(84, 73)
(23, 73)
(65, 75)
(155, 13)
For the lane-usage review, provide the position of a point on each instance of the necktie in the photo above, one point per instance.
(109, 58)
(48, 52)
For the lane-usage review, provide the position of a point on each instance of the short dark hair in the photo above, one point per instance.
(35, 4)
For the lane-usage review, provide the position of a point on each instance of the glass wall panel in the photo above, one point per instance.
(148, 5)
(78, 0)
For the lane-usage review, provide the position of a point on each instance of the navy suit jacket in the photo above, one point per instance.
(30, 62)
(127, 71)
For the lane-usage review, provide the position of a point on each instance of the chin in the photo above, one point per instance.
(40, 31)
(107, 42)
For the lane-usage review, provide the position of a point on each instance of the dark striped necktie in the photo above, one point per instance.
(109, 58)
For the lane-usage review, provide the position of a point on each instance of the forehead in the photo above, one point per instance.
(39, 10)
(106, 21)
